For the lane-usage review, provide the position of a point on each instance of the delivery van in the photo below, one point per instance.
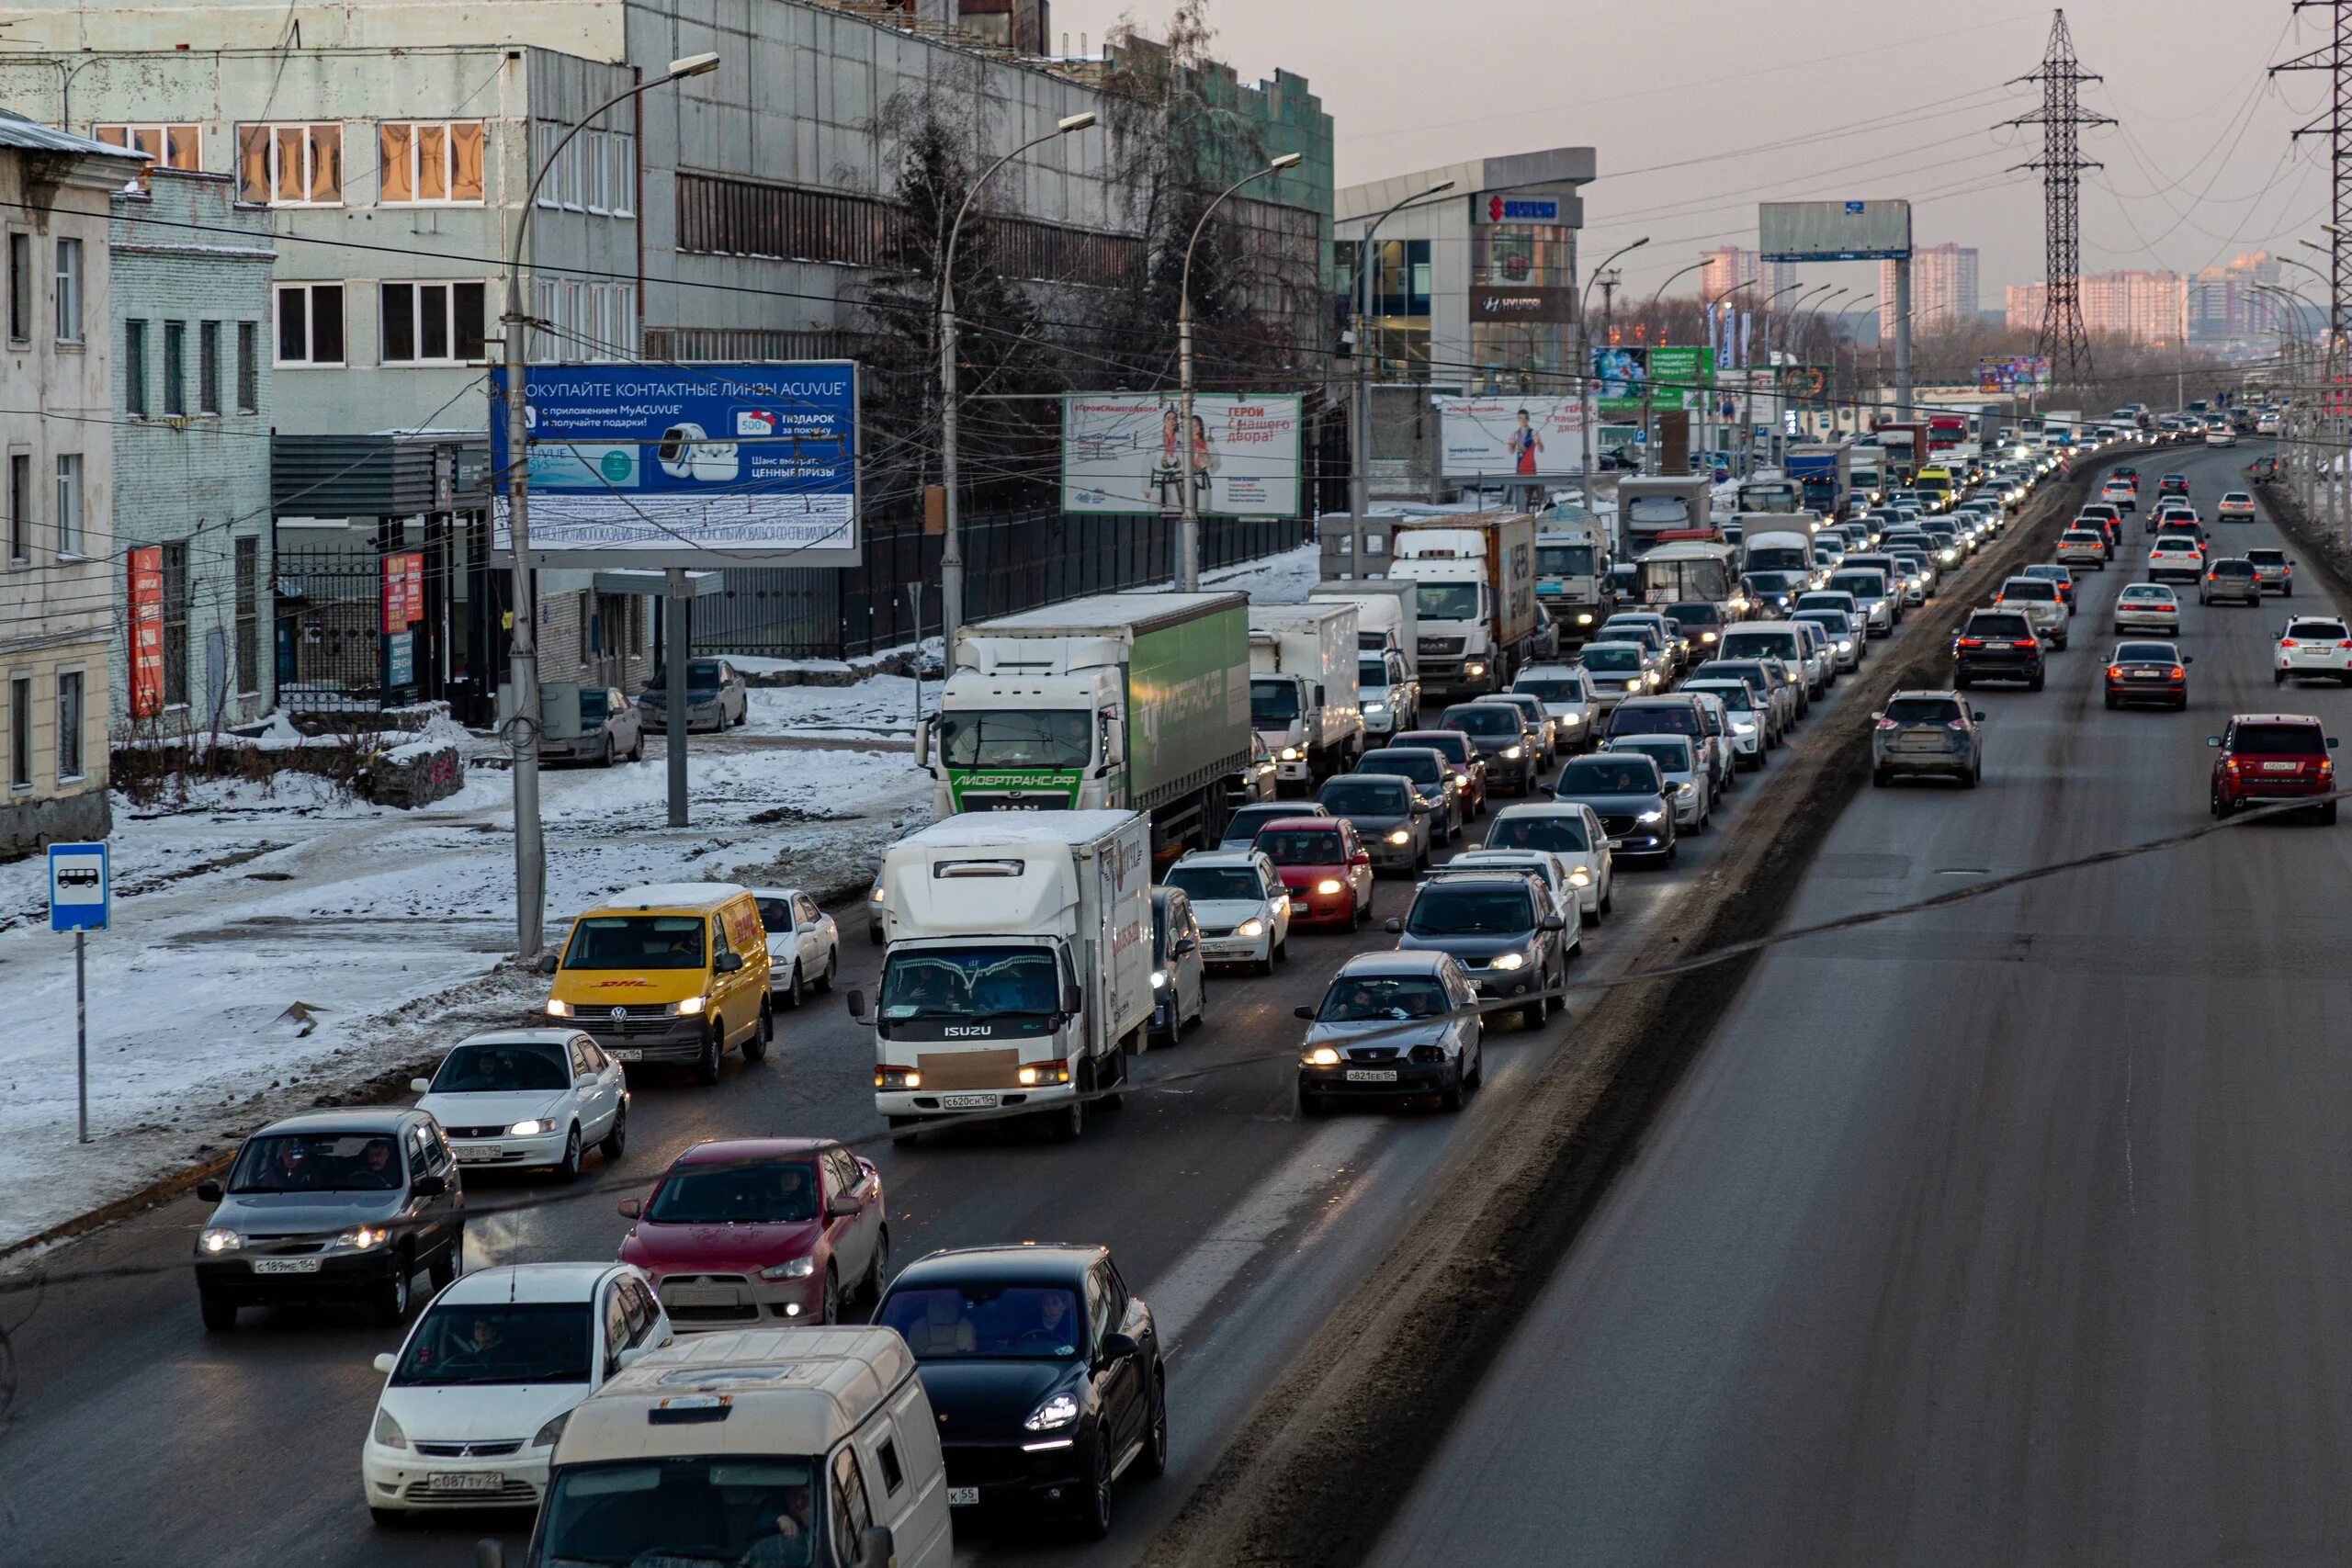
(812, 1447)
(674, 973)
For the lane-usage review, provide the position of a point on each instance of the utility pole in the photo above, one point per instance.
(2062, 120)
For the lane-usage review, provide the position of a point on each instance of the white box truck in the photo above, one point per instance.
(1018, 965)
(1384, 615)
(1303, 701)
(1476, 579)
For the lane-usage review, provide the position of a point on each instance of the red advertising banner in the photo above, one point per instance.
(403, 591)
(146, 630)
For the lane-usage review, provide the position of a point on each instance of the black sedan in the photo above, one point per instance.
(1628, 794)
(1044, 1373)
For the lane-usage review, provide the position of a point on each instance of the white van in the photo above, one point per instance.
(769, 1447)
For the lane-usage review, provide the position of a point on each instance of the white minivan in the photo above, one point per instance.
(768, 1448)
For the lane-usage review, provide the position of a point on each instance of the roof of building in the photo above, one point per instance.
(31, 136)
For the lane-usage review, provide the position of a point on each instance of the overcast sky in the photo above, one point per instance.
(1849, 98)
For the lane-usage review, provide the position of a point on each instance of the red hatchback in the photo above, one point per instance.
(749, 1231)
(2271, 757)
(1325, 866)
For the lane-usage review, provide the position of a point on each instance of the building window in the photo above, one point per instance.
(609, 172)
(173, 146)
(20, 287)
(20, 507)
(291, 165)
(69, 292)
(432, 323)
(429, 161)
(248, 367)
(175, 369)
(69, 503)
(21, 732)
(134, 368)
(69, 725)
(208, 367)
(248, 601)
(310, 324)
(175, 624)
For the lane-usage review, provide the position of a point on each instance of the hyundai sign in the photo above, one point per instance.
(1503, 209)
(1833, 230)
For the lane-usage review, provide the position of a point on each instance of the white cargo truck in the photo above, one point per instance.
(1385, 614)
(1303, 700)
(1018, 969)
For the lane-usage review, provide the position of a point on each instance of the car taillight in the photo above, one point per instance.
(2023, 642)
(1955, 724)
(2290, 642)
(2114, 671)
(2326, 766)
(1886, 724)
(2232, 764)
(1969, 642)
(2178, 674)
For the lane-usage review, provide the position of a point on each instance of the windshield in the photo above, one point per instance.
(1243, 825)
(634, 943)
(1301, 846)
(596, 706)
(1560, 832)
(1777, 559)
(969, 982)
(1483, 718)
(1451, 744)
(1365, 798)
(749, 1192)
(1564, 561)
(1658, 512)
(1414, 765)
(1440, 911)
(317, 1162)
(503, 1069)
(1693, 617)
(1861, 584)
(1733, 696)
(985, 1322)
(1684, 582)
(2319, 631)
(1749, 645)
(1273, 704)
(1922, 710)
(1371, 675)
(508, 1342)
(1446, 601)
(1547, 690)
(1601, 775)
(1215, 883)
(1671, 754)
(2285, 740)
(1062, 737)
(1384, 998)
(689, 1513)
(1666, 719)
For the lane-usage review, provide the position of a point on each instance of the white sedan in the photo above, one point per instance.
(1569, 829)
(804, 944)
(476, 1397)
(526, 1098)
(2147, 607)
(1242, 903)
(2314, 648)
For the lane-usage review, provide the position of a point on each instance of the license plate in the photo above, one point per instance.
(2280, 767)
(2146, 675)
(627, 1056)
(465, 1480)
(468, 1155)
(1371, 1075)
(286, 1265)
(967, 1102)
(963, 1497)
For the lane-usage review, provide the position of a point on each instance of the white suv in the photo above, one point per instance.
(2312, 646)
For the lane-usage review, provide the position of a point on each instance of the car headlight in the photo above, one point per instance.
(364, 1239)
(1474, 668)
(790, 1268)
(1375, 707)
(1253, 927)
(1058, 1411)
(1323, 1057)
(896, 1078)
(1649, 819)
(1331, 886)
(530, 1129)
(875, 897)
(1845, 645)
(545, 1438)
(388, 1433)
(1514, 753)
(1580, 877)
(1706, 637)
(1682, 791)
(217, 1240)
(1052, 1072)
(559, 1010)
(686, 1009)
(1649, 677)
(1509, 960)
(1158, 979)
(1289, 753)
(1399, 836)
(1584, 617)
(1740, 726)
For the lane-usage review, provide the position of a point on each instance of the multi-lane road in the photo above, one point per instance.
(2010, 1232)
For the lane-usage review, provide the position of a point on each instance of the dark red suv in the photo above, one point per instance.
(2271, 757)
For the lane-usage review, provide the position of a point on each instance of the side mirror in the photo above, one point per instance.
(428, 1185)
(385, 1363)
(1978, 716)
(629, 1356)
(1115, 1348)
(1878, 716)
(1073, 1000)
(727, 962)
(840, 1206)
(1305, 1012)
(490, 1555)
(2212, 741)
(1554, 923)
(420, 1086)
(1114, 740)
(2188, 659)
(208, 1190)
(2331, 742)
(1395, 927)
(922, 743)
(630, 1208)
(875, 1548)
(546, 963)
(857, 1004)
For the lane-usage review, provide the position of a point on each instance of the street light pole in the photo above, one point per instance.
(523, 655)
(1747, 409)
(1582, 380)
(1804, 324)
(1709, 312)
(1649, 381)
(1188, 531)
(951, 543)
(1359, 477)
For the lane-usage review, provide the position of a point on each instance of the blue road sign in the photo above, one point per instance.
(80, 889)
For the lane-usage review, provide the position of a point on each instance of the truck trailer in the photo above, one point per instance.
(1302, 699)
(1823, 473)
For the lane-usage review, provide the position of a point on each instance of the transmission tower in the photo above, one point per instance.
(2335, 122)
(2062, 118)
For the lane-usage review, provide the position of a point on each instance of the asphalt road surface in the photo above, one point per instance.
(136, 1438)
(2013, 1233)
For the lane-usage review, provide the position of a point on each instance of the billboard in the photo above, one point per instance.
(701, 465)
(2012, 374)
(1833, 230)
(146, 630)
(1679, 376)
(1122, 455)
(1807, 385)
(1510, 437)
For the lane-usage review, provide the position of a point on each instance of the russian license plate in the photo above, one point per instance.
(286, 1265)
(465, 1480)
(1371, 1075)
(2279, 767)
(967, 1102)
(963, 1497)
(2147, 674)
(469, 1155)
(627, 1055)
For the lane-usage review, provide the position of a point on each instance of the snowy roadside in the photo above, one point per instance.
(274, 948)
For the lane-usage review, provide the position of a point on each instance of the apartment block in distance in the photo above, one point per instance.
(1943, 290)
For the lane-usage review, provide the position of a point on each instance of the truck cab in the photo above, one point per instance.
(1572, 578)
(1474, 578)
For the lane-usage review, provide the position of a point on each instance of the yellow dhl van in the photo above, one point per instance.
(675, 973)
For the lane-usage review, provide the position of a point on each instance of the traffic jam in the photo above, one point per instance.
(1526, 718)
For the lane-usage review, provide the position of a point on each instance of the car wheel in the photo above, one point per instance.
(1069, 1121)
(443, 1271)
(1879, 777)
(877, 1272)
(387, 1518)
(874, 936)
(2277, 677)
(1312, 1105)
(2034, 684)
(755, 1049)
(1588, 917)
(1531, 1015)
(1264, 965)
(1448, 1098)
(615, 1139)
(903, 1129)
(829, 1305)
(637, 748)
(392, 1297)
(1282, 951)
(714, 1036)
(1153, 1461)
(568, 1168)
(604, 753)
(1608, 900)
(1976, 775)
(219, 1312)
(1095, 1522)
(2059, 643)
(793, 992)
(2111, 702)
(833, 962)
(2327, 814)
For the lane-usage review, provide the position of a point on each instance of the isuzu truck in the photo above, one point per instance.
(1475, 577)
(1018, 969)
(1122, 701)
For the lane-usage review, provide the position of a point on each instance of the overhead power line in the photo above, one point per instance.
(2062, 117)
(2335, 122)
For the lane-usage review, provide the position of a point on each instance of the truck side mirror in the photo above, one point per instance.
(875, 1548)
(1114, 741)
(1319, 693)
(1073, 1000)
(922, 743)
(857, 1004)
(546, 963)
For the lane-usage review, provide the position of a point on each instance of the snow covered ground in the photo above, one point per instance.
(275, 946)
(1276, 580)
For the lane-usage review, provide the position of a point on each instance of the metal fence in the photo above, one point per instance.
(1011, 561)
(329, 643)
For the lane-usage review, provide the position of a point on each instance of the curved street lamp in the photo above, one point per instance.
(1359, 482)
(1581, 380)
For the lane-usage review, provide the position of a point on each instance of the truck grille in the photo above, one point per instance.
(1442, 647)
